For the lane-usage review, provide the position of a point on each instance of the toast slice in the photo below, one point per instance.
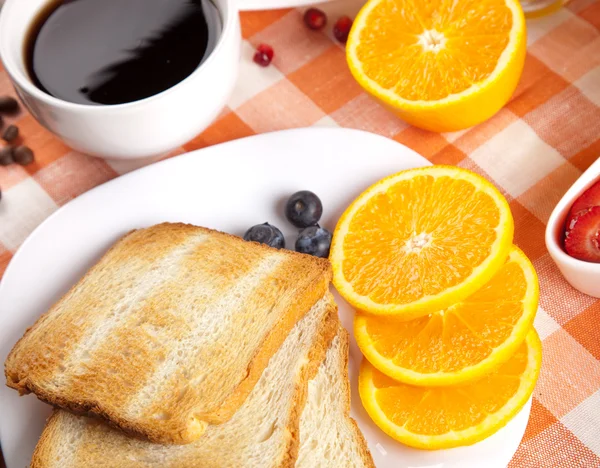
(329, 437)
(169, 331)
(263, 433)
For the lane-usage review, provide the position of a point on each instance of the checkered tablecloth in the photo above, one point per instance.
(533, 150)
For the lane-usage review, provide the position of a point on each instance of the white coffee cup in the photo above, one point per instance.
(142, 129)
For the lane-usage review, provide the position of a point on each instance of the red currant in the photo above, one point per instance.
(315, 19)
(264, 55)
(342, 28)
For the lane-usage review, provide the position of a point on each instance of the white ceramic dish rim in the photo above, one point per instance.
(252, 5)
(557, 219)
(228, 17)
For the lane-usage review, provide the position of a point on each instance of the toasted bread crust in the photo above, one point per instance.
(364, 451)
(185, 427)
(330, 438)
(43, 450)
(315, 357)
(269, 346)
(11, 364)
(55, 435)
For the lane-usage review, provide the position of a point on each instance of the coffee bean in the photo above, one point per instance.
(8, 104)
(23, 155)
(11, 133)
(6, 156)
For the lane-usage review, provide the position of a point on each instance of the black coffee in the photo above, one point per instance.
(118, 51)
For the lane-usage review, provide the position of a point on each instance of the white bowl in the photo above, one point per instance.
(146, 128)
(584, 276)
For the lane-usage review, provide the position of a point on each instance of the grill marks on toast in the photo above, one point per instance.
(181, 299)
(93, 366)
(285, 297)
(145, 333)
(53, 350)
(263, 432)
(184, 379)
(154, 381)
(183, 372)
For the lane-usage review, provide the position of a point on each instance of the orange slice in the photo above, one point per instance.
(440, 65)
(461, 343)
(444, 417)
(420, 240)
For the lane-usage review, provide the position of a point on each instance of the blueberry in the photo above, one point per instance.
(303, 209)
(265, 234)
(314, 240)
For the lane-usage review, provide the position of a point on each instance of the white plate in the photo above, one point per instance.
(249, 5)
(228, 187)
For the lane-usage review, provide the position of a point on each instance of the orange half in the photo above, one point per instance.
(440, 65)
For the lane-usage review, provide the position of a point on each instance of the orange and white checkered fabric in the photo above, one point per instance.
(533, 150)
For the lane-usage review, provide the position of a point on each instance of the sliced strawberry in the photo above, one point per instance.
(589, 198)
(582, 241)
